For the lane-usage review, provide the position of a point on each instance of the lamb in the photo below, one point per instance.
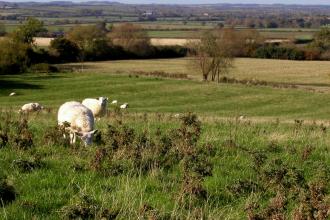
(12, 94)
(31, 107)
(124, 106)
(114, 102)
(97, 106)
(81, 121)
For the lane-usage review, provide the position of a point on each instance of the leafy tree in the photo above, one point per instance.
(322, 39)
(64, 50)
(14, 56)
(88, 38)
(30, 29)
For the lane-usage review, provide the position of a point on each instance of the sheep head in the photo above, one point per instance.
(86, 137)
(103, 100)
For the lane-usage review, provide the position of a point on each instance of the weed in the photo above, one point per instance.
(313, 203)
(278, 174)
(57, 135)
(28, 165)
(242, 187)
(7, 192)
(82, 206)
(307, 151)
(3, 139)
(23, 138)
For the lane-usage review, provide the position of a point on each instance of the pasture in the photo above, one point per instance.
(308, 74)
(147, 163)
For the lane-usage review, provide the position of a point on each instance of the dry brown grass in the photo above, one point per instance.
(42, 41)
(45, 42)
(311, 74)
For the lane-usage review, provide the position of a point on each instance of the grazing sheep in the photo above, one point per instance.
(81, 121)
(123, 106)
(242, 117)
(97, 106)
(12, 94)
(31, 107)
(114, 102)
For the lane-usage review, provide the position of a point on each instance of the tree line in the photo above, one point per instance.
(82, 43)
(213, 53)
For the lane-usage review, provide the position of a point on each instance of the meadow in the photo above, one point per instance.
(147, 162)
(308, 74)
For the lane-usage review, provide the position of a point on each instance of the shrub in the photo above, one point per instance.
(14, 56)
(7, 192)
(43, 68)
(279, 52)
(28, 165)
(55, 136)
(169, 52)
(64, 50)
(83, 206)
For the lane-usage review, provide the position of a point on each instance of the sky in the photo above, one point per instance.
(323, 2)
(314, 2)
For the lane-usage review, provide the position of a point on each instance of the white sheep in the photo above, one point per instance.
(12, 94)
(242, 117)
(114, 102)
(97, 106)
(123, 106)
(31, 107)
(81, 121)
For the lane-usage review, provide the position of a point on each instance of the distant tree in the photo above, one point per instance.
(88, 39)
(220, 25)
(212, 56)
(102, 26)
(132, 38)
(271, 24)
(322, 39)
(30, 29)
(2, 29)
(14, 56)
(64, 50)
(322, 43)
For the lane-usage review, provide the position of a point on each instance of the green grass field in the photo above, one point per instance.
(274, 162)
(168, 96)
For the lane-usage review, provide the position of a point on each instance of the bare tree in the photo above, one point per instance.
(212, 55)
(131, 37)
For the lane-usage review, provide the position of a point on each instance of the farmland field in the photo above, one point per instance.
(140, 166)
(313, 74)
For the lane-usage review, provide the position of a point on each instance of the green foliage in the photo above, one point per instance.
(279, 52)
(84, 206)
(90, 40)
(30, 29)
(64, 50)
(14, 56)
(322, 39)
(2, 29)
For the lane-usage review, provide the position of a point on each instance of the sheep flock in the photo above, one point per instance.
(78, 118)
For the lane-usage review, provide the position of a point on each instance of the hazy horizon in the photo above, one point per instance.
(298, 2)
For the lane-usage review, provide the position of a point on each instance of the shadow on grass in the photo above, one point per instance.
(7, 86)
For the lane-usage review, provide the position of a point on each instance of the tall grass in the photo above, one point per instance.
(159, 166)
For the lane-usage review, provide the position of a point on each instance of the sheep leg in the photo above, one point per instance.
(72, 138)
